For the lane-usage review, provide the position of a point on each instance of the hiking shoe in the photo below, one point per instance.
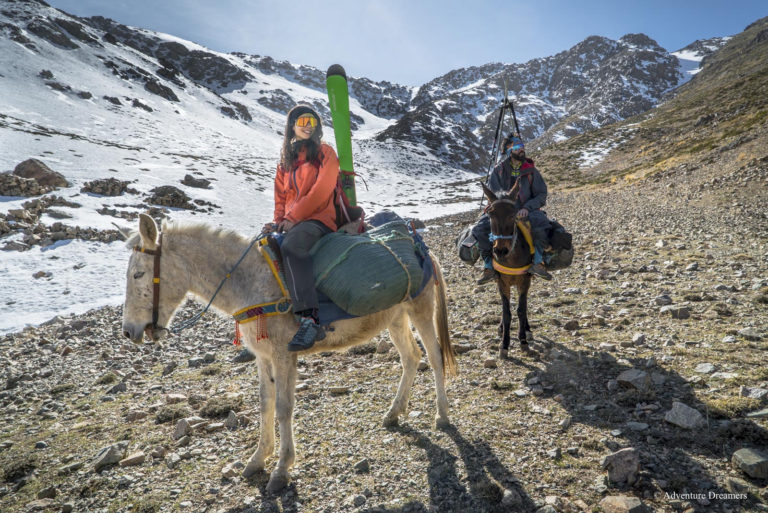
(305, 337)
(540, 271)
(243, 356)
(488, 275)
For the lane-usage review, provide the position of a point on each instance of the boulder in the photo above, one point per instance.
(676, 312)
(12, 185)
(109, 455)
(684, 416)
(752, 462)
(750, 334)
(169, 196)
(622, 466)
(622, 504)
(635, 378)
(41, 173)
(105, 187)
(155, 87)
(200, 183)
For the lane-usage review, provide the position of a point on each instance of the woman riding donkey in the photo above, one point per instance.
(304, 211)
(168, 264)
(515, 168)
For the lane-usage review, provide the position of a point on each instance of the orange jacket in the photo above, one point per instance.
(307, 192)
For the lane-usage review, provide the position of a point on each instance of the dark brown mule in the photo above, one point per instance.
(512, 256)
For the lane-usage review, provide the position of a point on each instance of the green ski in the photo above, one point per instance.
(338, 98)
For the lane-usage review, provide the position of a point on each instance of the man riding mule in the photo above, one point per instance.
(515, 168)
(512, 250)
(165, 266)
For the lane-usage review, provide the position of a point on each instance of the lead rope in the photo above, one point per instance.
(193, 320)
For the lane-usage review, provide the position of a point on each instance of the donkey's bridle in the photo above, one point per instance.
(282, 305)
(493, 238)
(155, 280)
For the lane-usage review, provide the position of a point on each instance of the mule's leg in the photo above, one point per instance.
(285, 384)
(400, 333)
(506, 317)
(522, 310)
(267, 408)
(422, 316)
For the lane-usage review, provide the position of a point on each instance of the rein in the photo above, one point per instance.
(156, 286)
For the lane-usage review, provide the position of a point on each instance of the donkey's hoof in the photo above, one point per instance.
(390, 422)
(252, 469)
(503, 354)
(277, 483)
(442, 423)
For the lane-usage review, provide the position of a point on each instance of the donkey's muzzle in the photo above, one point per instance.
(134, 333)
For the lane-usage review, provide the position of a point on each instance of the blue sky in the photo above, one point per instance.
(411, 42)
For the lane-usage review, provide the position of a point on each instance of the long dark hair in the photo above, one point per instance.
(292, 147)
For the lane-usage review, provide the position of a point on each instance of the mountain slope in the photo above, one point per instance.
(715, 122)
(105, 104)
(596, 82)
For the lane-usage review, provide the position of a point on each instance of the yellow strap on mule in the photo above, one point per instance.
(280, 306)
(525, 227)
(510, 270)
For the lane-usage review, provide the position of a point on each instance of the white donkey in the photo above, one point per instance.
(194, 259)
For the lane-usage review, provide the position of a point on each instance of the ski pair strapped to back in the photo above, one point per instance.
(338, 100)
(505, 104)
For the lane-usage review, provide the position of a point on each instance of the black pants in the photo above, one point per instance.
(298, 263)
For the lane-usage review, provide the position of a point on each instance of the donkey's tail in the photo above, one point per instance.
(450, 368)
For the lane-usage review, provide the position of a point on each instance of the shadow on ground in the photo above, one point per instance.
(481, 490)
(671, 457)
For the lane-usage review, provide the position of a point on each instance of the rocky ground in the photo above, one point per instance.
(647, 389)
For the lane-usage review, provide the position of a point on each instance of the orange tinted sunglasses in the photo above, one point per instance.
(306, 120)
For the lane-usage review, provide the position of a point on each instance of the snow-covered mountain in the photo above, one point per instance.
(95, 100)
(692, 56)
(594, 83)
(169, 126)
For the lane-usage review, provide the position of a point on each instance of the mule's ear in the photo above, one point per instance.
(148, 231)
(125, 234)
(488, 193)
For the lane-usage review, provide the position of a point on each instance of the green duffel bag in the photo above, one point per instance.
(369, 272)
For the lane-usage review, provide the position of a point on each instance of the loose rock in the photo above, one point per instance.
(622, 466)
(684, 416)
(752, 462)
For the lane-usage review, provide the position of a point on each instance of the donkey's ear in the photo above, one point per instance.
(148, 231)
(488, 193)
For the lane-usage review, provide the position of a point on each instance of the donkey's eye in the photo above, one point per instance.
(138, 275)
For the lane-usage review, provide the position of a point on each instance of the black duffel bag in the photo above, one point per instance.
(466, 246)
(560, 255)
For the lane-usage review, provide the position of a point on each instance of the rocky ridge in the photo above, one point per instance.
(594, 83)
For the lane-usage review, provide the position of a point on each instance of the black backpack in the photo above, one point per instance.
(466, 246)
(560, 255)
